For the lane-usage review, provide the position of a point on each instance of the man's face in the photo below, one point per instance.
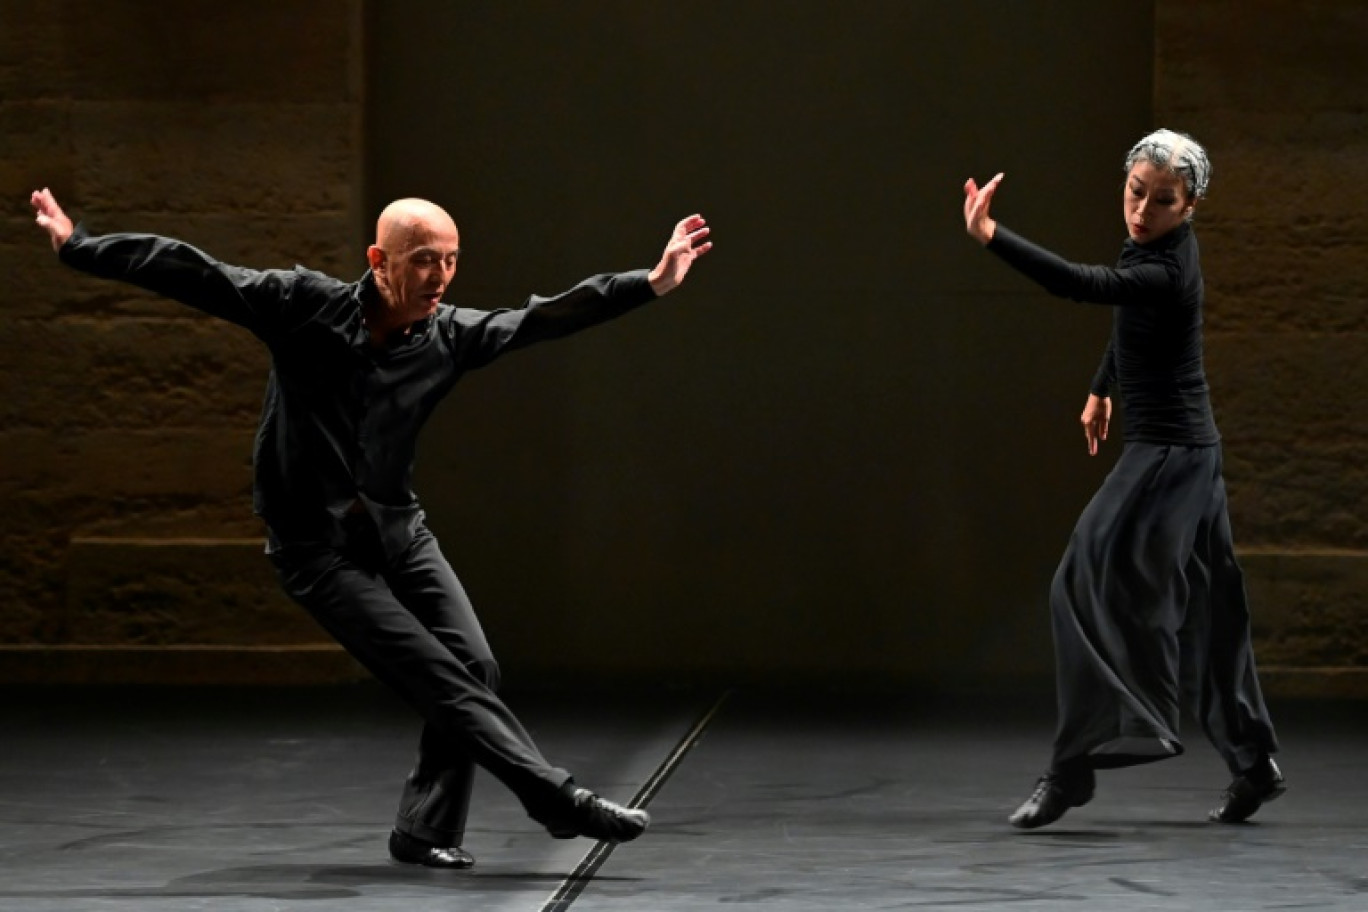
(417, 275)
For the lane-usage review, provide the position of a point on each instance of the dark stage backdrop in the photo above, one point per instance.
(848, 447)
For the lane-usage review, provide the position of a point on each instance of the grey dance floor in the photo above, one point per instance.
(281, 800)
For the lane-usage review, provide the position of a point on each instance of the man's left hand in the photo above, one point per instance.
(688, 243)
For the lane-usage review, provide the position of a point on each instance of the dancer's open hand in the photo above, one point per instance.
(688, 243)
(977, 221)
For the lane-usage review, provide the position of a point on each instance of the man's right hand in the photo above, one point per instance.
(51, 218)
(1095, 418)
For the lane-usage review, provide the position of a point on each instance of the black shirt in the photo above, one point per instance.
(340, 421)
(1155, 353)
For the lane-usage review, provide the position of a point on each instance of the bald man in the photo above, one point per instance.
(356, 369)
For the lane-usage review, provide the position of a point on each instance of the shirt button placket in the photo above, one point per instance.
(363, 413)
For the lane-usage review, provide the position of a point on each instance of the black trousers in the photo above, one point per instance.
(1149, 614)
(409, 622)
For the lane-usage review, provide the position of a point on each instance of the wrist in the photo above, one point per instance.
(661, 282)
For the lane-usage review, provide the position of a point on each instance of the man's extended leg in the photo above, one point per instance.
(439, 790)
(357, 607)
(355, 604)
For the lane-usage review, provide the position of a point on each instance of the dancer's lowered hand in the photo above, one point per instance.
(1096, 418)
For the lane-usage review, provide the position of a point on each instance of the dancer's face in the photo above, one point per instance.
(415, 260)
(1154, 201)
(419, 276)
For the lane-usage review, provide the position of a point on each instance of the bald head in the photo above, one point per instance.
(408, 223)
(413, 259)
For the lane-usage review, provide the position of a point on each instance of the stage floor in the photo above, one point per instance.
(262, 800)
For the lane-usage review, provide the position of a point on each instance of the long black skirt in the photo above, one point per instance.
(1150, 614)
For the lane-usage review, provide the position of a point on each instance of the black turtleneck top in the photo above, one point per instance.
(1154, 356)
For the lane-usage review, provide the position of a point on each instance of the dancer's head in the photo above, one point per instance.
(1166, 174)
(414, 257)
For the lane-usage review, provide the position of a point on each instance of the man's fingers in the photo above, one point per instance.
(698, 236)
(690, 237)
(45, 203)
(690, 223)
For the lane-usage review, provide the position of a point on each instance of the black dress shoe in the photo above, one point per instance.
(1055, 793)
(411, 850)
(579, 812)
(1250, 791)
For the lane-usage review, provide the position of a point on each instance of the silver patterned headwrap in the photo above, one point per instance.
(1176, 152)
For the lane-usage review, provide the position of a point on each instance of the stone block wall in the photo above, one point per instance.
(1275, 91)
(127, 546)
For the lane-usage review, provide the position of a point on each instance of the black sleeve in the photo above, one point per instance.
(1106, 373)
(477, 337)
(256, 300)
(1144, 284)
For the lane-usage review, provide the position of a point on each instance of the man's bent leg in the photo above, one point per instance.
(360, 611)
(437, 796)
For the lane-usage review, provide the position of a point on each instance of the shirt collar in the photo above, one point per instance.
(1167, 242)
(366, 290)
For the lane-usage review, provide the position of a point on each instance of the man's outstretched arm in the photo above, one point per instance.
(478, 337)
(256, 299)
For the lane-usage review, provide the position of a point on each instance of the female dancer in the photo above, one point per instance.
(1148, 603)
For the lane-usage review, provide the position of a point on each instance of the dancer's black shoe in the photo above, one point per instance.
(411, 850)
(579, 812)
(1055, 793)
(1250, 791)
